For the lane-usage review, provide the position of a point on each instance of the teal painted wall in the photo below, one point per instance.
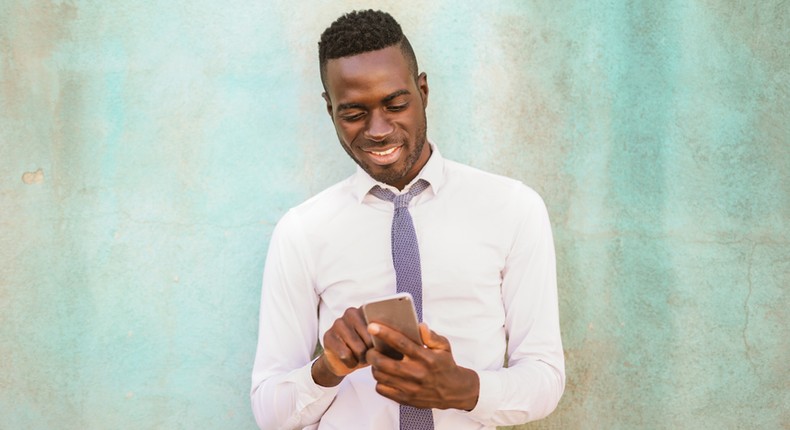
(146, 152)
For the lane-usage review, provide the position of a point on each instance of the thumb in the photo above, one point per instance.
(433, 340)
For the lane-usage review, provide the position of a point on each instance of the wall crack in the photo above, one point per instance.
(747, 346)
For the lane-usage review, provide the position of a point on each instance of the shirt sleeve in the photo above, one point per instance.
(532, 384)
(283, 393)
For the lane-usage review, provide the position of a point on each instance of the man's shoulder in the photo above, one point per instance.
(464, 172)
(325, 204)
(484, 184)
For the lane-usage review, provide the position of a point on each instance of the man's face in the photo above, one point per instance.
(379, 113)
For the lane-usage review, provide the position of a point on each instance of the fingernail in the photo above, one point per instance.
(373, 328)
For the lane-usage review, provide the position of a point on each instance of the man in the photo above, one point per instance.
(485, 269)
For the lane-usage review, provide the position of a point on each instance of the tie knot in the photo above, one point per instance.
(401, 200)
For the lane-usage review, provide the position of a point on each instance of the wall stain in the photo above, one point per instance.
(27, 44)
(31, 178)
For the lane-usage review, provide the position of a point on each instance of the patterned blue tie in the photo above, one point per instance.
(408, 278)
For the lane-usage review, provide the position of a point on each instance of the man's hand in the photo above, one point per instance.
(345, 345)
(427, 376)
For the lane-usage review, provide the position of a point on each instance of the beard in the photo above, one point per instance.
(392, 173)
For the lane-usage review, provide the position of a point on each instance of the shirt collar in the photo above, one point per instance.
(433, 172)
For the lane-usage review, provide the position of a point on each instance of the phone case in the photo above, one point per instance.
(397, 312)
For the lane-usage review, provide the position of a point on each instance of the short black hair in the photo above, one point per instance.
(363, 31)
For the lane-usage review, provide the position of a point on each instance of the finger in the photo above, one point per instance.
(407, 383)
(389, 392)
(393, 393)
(433, 340)
(395, 339)
(351, 329)
(381, 361)
(402, 368)
(357, 320)
(344, 343)
(337, 349)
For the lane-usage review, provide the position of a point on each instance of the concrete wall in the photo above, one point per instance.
(147, 150)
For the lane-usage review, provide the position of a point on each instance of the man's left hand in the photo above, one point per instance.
(427, 376)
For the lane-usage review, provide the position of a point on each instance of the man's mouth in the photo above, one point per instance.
(385, 157)
(383, 153)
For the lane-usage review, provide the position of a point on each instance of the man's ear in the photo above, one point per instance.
(422, 84)
(328, 105)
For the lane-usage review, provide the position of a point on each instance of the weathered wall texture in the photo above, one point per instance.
(146, 152)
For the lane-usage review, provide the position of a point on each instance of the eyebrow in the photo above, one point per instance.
(345, 106)
(394, 95)
(387, 99)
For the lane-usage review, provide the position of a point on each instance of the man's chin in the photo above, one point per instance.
(385, 175)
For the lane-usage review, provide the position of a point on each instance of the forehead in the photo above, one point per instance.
(368, 74)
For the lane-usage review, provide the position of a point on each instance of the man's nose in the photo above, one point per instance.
(379, 127)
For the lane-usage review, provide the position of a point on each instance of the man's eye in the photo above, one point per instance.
(397, 108)
(352, 118)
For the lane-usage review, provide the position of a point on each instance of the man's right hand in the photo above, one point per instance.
(345, 345)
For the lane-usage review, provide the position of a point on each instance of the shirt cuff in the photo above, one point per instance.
(489, 397)
(304, 378)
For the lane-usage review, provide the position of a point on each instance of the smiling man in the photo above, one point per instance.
(473, 248)
(377, 103)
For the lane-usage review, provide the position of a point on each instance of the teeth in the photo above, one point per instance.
(387, 152)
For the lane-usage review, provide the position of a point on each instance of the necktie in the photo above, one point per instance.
(408, 278)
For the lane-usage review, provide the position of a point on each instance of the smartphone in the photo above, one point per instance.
(397, 312)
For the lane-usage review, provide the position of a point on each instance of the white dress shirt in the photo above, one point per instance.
(489, 286)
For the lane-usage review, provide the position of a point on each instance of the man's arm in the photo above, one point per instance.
(531, 387)
(284, 394)
(288, 390)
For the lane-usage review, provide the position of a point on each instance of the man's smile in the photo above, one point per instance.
(384, 157)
